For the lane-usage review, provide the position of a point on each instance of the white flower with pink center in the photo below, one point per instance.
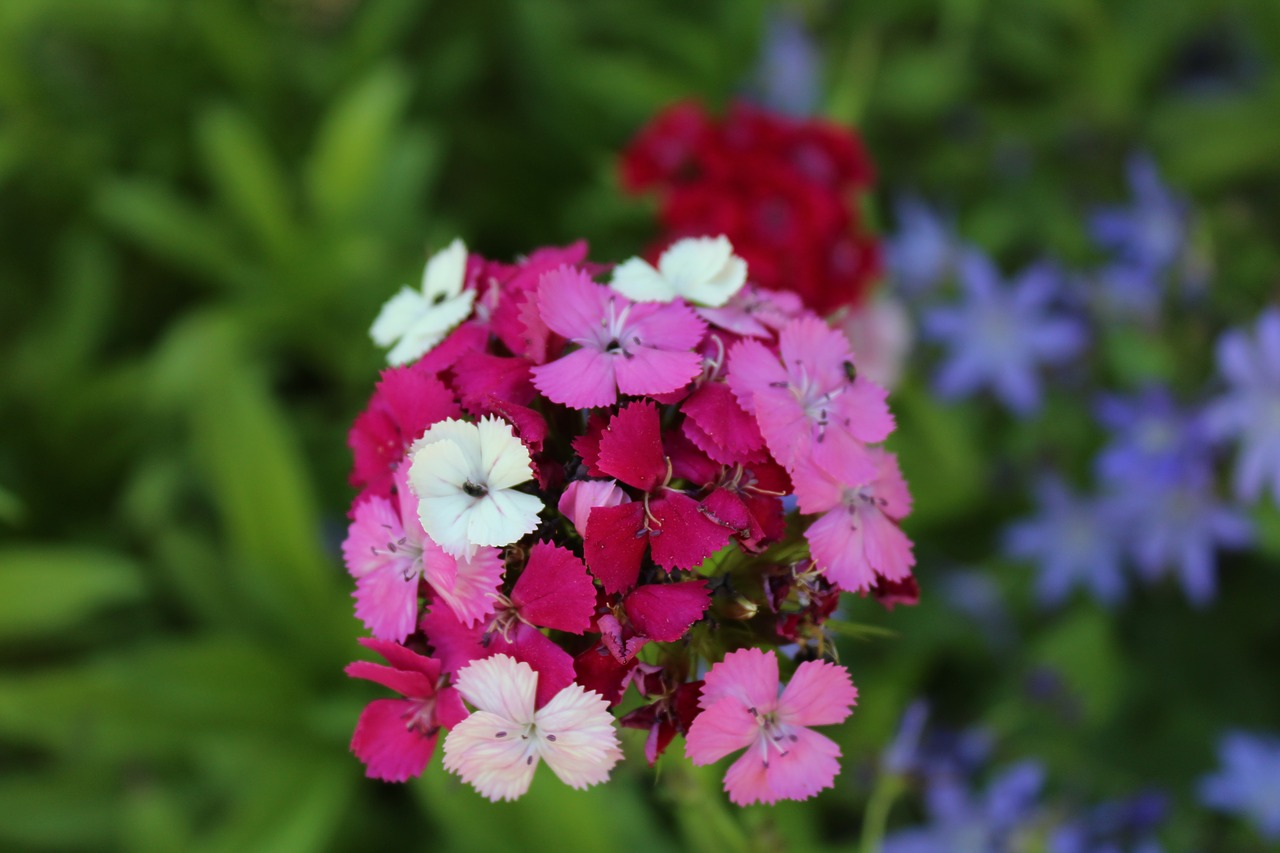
(465, 477)
(413, 321)
(497, 749)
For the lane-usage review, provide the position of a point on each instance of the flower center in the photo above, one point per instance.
(421, 716)
(475, 490)
(773, 735)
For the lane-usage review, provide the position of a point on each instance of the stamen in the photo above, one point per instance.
(501, 734)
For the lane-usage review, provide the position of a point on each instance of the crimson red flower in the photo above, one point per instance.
(783, 192)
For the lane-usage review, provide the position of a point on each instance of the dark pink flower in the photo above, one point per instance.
(742, 709)
(395, 737)
(662, 612)
(670, 715)
(405, 402)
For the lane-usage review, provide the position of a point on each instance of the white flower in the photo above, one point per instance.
(414, 322)
(464, 476)
(498, 747)
(700, 270)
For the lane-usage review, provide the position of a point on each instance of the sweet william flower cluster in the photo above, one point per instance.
(571, 517)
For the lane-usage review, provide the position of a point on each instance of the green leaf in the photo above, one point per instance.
(351, 147)
(939, 453)
(253, 465)
(58, 810)
(46, 590)
(160, 221)
(243, 169)
(288, 800)
(160, 699)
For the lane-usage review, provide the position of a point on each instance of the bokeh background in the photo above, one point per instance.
(202, 206)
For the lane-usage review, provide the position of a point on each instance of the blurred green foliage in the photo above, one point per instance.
(203, 204)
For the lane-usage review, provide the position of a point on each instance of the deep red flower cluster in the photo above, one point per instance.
(783, 191)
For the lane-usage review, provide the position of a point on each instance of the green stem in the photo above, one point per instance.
(887, 788)
(706, 823)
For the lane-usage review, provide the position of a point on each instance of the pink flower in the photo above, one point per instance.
(625, 347)
(386, 566)
(755, 312)
(395, 737)
(498, 747)
(582, 496)
(810, 404)
(387, 552)
(858, 541)
(742, 709)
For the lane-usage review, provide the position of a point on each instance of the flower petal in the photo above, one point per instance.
(502, 685)
(390, 750)
(819, 694)
(722, 729)
(491, 754)
(578, 738)
(749, 676)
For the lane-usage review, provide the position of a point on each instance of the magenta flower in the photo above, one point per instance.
(742, 709)
(406, 401)
(811, 403)
(623, 346)
(497, 748)
(395, 737)
(858, 540)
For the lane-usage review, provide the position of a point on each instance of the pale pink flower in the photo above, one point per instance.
(582, 496)
(742, 709)
(857, 540)
(642, 349)
(498, 747)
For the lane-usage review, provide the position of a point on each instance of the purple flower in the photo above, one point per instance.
(1074, 541)
(1153, 439)
(1000, 335)
(903, 753)
(1121, 826)
(1127, 290)
(788, 73)
(1149, 235)
(1249, 411)
(922, 251)
(1248, 782)
(962, 821)
(1178, 525)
